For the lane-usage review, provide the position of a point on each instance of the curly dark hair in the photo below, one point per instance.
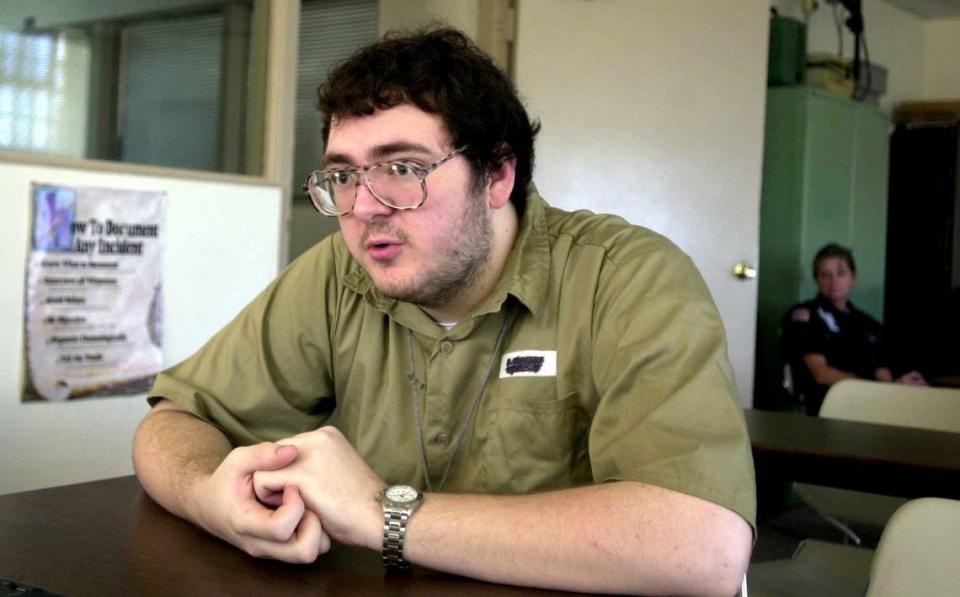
(833, 250)
(441, 72)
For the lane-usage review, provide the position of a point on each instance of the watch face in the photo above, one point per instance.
(401, 493)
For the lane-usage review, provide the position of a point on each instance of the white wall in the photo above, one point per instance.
(222, 247)
(941, 62)
(405, 14)
(896, 41)
(654, 110)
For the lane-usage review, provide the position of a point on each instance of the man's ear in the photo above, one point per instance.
(500, 182)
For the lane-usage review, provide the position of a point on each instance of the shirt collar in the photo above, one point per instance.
(525, 275)
(826, 303)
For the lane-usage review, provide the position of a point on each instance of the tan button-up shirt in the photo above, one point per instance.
(612, 366)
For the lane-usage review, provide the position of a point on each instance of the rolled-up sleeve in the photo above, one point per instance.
(268, 373)
(668, 412)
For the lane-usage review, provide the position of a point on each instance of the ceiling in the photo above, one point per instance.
(930, 9)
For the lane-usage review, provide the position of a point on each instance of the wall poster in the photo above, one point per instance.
(93, 314)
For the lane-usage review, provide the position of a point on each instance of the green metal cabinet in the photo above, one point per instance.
(824, 180)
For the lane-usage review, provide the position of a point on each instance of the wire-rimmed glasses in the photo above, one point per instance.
(398, 184)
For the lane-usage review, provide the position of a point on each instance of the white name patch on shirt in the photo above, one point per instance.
(529, 363)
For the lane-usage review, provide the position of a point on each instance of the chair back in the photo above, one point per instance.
(919, 551)
(922, 407)
(904, 405)
(796, 381)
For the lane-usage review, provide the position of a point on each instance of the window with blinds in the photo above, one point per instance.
(43, 92)
(149, 88)
(330, 30)
(170, 80)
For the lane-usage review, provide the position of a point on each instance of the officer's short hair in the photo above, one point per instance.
(833, 250)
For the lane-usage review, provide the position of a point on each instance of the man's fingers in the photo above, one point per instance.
(310, 535)
(286, 518)
(290, 533)
(266, 484)
(265, 456)
(268, 457)
(308, 542)
(273, 498)
(257, 521)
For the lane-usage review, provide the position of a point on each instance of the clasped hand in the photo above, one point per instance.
(287, 500)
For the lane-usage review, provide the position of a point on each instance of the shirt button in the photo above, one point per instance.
(446, 347)
(443, 439)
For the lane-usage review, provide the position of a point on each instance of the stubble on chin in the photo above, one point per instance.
(466, 254)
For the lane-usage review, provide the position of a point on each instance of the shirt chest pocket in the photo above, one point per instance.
(533, 439)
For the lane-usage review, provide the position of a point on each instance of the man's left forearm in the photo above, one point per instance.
(617, 537)
(623, 537)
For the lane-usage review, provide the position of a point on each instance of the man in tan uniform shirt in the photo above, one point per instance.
(555, 384)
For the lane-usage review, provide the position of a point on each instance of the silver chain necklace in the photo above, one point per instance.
(462, 432)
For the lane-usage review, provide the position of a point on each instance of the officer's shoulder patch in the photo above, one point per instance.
(801, 314)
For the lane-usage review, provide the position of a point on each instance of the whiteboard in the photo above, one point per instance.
(223, 241)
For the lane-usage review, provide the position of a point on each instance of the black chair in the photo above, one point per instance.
(801, 390)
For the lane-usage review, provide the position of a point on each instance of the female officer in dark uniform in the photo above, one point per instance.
(828, 339)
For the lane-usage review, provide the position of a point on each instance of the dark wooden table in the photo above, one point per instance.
(945, 381)
(898, 461)
(109, 538)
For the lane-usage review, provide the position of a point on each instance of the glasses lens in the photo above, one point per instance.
(397, 184)
(337, 192)
(319, 196)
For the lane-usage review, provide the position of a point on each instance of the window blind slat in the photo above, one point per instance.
(171, 92)
(330, 30)
(43, 92)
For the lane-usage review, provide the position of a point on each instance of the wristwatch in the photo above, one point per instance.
(399, 503)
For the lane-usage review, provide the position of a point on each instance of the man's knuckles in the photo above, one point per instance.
(303, 549)
(281, 532)
(253, 549)
(311, 540)
(307, 552)
(327, 436)
(240, 521)
(331, 432)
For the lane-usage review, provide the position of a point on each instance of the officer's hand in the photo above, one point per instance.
(335, 483)
(914, 378)
(227, 507)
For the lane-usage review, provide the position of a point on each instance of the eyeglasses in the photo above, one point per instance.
(399, 184)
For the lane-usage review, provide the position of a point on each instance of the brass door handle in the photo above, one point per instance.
(744, 271)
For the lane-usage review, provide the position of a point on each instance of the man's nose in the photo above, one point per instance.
(366, 206)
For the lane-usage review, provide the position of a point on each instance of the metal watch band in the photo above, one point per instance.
(394, 532)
